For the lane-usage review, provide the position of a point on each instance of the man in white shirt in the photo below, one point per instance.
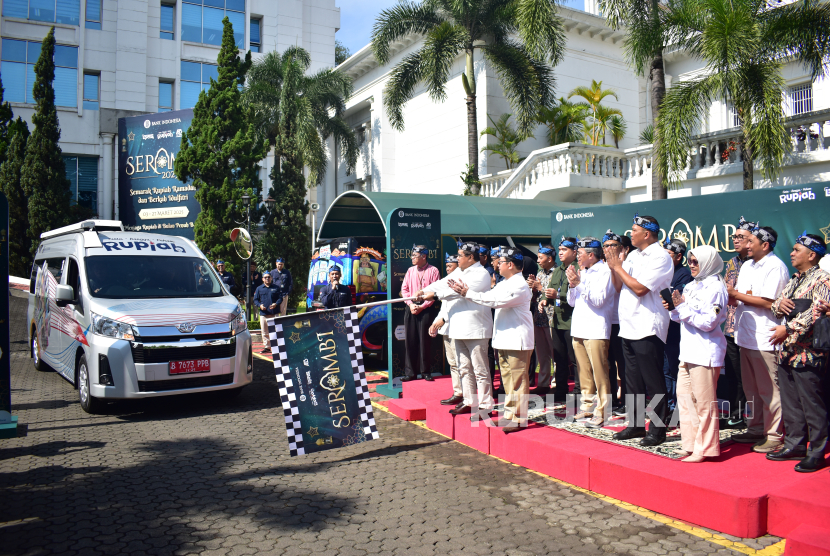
(644, 324)
(760, 282)
(512, 333)
(470, 325)
(591, 294)
(441, 326)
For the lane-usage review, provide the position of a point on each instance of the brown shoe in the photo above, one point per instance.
(748, 438)
(767, 446)
(452, 401)
(461, 410)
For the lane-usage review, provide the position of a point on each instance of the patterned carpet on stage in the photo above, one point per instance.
(556, 417)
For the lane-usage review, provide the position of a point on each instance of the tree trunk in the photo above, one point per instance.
(746, 156)
(472, 121)
(658, 91)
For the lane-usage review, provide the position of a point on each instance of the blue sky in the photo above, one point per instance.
(358, 16)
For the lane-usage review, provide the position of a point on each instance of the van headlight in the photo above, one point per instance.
(238, 323)
(104, 326)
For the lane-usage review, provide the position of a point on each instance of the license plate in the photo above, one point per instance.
(190, 366)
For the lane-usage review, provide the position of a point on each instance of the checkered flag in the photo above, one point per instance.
(285, 383)
(364, 401)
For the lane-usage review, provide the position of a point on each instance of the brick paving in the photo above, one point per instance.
(200, 474)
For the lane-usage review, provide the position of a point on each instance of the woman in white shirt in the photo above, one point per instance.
(700, 311)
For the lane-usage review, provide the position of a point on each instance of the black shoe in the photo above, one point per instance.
(541, 391)
(455, 400)
(785, 454)
(429, 378)
(618, 411)
(464, 409)
(407, 379)
(808, 465)
(629, 433)
(653, 440)
(459, 404)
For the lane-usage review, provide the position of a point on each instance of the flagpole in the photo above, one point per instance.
(384, 302)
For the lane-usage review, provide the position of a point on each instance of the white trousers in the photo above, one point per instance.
(449, 351)
(474, 370)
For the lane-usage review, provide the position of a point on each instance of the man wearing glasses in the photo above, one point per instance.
(732, 364)
(469, 327)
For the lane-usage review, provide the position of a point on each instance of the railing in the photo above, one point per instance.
(618, 170)
(567, 159)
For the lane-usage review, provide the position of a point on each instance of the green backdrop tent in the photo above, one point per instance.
(358, 213)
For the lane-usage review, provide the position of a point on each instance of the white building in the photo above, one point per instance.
(119, 58)
(430, 154)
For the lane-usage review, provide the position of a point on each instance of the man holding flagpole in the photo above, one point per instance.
(470, 326)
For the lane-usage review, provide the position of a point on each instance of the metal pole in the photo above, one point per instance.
(248, 269)
(313, 230)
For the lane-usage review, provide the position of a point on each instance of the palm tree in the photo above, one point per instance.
(744, 44)
(647, 135)
(617, 127)
(303, 110)
(453, 28)
(565, 121)
(507, 139)
(594, 95)
(646, 35)
(296, 113)
(603, 121)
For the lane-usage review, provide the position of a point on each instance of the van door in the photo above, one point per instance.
(76, 315)
(51, 331)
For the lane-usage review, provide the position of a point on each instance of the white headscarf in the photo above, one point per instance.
(709, 261)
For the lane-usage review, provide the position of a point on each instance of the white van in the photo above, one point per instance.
(133, 315)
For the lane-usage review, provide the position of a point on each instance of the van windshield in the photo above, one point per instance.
(150, 277)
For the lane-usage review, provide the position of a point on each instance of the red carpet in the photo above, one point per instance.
(739, 493)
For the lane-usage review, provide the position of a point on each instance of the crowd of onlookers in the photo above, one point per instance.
(645, 328)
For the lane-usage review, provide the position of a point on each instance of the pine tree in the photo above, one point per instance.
(220, 153)
(43, 176)
(19, 242)
(6, 118)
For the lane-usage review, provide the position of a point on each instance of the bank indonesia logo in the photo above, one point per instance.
(400, 214)
(429, 225)
(186, 327)
(146, 124)
(559, 217)
(178, 133)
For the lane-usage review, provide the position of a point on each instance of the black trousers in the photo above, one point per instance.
(418, 340)
(563, 358)
(802, 408)
(733, 384)
(616, 365)
(644, 377)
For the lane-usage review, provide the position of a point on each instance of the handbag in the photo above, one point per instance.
(821, 333)
(801, 304)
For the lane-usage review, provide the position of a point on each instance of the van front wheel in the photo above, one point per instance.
(88, 403)
(39, 365)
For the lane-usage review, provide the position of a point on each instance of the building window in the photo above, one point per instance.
(18, 72)
(67, 12)
(82, 172)
(168, 18)
(801, 99)
(92, 90)
(195, 79)
(93, 14)
(202, 20)
(256, 35)
(165, 96)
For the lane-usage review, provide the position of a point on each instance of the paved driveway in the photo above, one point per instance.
(199, 474)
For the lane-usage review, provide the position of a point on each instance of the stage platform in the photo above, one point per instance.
(739, 493)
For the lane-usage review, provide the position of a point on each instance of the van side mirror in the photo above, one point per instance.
(64, 295)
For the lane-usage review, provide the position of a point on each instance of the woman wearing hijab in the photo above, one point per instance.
(700, 310)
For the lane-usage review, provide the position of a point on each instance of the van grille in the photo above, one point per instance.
(167, 354)
(183, 383)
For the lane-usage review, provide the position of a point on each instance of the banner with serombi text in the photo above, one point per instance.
(711, 219)
(150, 197)
(323, 389)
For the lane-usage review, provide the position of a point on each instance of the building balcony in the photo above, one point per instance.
(575, 172)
